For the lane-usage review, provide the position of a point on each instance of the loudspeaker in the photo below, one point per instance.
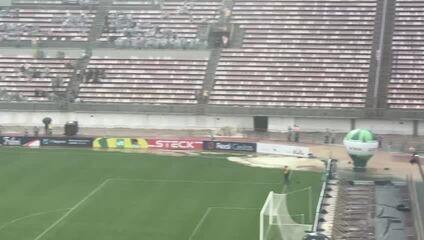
(71, 128)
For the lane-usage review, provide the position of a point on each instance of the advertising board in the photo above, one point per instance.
(66, 142)
(15, 140)
(269, 148)
(175, 144)
(229, 146)
(121, 143)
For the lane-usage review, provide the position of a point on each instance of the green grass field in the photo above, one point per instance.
(57, 194)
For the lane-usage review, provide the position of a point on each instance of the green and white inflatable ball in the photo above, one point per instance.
(361, 145)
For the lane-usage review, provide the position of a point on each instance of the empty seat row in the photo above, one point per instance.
(144, 80)
(34, 79)
(298, 53)
(407, 78)
(174, 19)
(45, 24)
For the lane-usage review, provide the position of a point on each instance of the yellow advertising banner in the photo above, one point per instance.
(121, 143)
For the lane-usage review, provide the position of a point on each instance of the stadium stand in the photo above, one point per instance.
(281, 53)
(34, 79)
(407, 84)
(143, 80)
(56, 2)
(175, 24)
(356, 210)
(298, 54)
(18, 24)
(133, 3)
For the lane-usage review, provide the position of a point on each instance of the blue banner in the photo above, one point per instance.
(66, 142)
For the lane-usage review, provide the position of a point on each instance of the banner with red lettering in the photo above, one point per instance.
(175, 144)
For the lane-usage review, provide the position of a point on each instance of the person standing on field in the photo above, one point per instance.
(286, 174)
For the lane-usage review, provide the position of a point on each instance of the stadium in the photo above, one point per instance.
(211, 119)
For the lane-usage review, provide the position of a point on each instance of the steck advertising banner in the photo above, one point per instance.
(66, 142)
(229, 146)
(175, 144)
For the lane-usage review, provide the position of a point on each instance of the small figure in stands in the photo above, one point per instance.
(414, 156)
(327, 136)
(36, 131)
(296, 130)
(380, 141)
(289, 134)
(332, 137)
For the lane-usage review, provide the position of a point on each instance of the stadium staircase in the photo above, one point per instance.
(73, 87)
(237, 36)
(210, 71)
(99, 21)
(380, 69)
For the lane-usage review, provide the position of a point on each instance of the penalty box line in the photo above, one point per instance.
(208, 210)
(105, 182)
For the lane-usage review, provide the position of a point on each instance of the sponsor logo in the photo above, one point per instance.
(268, 148)
(243, 147)
(12, 141)
(223, 146)
(298, 152)
(175, 144)
(64, 142)
(230, 146)
(79, 141)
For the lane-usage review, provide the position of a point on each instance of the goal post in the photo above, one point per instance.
(278, 223)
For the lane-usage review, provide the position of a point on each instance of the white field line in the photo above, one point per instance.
(235, 208)
(100, 186)
(205, 215)
(200, 223)
(31, 216)
(190, 181)
(94, 191)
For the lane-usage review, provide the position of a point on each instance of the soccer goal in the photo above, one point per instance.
(278, 223)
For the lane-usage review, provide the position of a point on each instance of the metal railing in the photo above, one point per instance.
(328, 172)
(417, 208)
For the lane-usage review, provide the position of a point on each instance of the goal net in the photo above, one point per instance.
(286, 216)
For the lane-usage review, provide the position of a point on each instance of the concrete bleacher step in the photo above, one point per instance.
(209, 80)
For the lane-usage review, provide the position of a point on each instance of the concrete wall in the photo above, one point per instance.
(278, 124)
(309, 124)
(5, 3)
(123, 120)
(386, 127)
(157, 121)
(321, 125)
(421, 128)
